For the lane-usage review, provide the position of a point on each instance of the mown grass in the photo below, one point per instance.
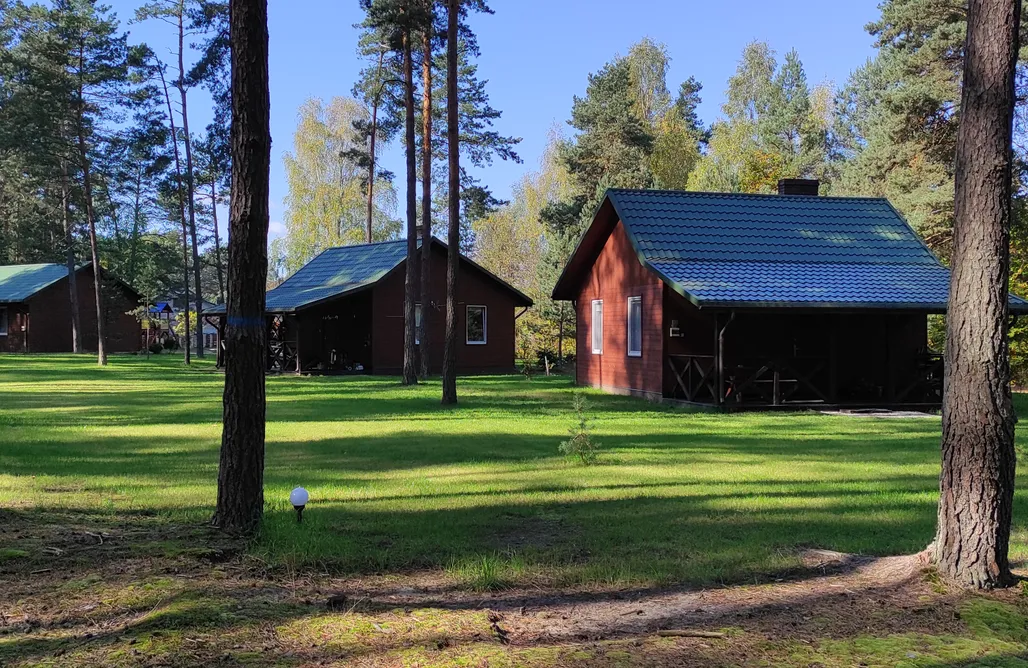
(400, 483)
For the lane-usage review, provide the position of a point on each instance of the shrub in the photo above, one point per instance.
(170, 344)
(580, 446)
(156, 347)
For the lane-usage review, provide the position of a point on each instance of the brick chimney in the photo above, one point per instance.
(798, 187)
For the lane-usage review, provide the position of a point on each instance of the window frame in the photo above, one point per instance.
(636, 299)
(597, 348)
(485, 324)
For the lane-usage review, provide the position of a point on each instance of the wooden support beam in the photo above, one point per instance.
(718, 362)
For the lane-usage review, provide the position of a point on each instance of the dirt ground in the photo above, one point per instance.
(88, 598)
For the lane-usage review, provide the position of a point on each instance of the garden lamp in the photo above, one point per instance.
(299, 497)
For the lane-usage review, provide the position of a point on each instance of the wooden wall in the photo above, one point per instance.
(16, 340)
(48, 319)
(473, 288)
(616, 275)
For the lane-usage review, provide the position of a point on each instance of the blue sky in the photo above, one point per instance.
(537, 54)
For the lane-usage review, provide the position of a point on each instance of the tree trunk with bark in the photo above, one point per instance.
(72, 265)
(978, 459)
(219, 269)
(190, 201)
(181, 208)
(87, 187)
(410, 375)
(371, 150)
(241, 469)
(426, 195)
(453, 197)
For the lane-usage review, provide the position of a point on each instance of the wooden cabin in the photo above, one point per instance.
(35, 310)
(757, 301)
(342, 312)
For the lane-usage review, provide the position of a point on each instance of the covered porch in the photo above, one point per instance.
(790, 358)
(332, 337)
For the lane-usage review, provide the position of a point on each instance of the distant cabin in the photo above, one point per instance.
(342, 312)
(35, 310)
(754, 301)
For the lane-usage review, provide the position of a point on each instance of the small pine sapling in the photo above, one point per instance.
(581, 445)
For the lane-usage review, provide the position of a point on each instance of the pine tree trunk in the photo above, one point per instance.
(87, 186)
(72, 265)
(181, 208)
(198, 293)
(137, 214)
(220, 269)
(371, 151)
(426, 198)
(977, 482)
(410, 375)
(241, 469)
(453, 197)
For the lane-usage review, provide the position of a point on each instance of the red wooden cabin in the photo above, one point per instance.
(35, 310)
(752, 301)
(343, 313)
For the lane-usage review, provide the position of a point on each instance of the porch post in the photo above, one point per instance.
(719, 363)
(220, 357)
(833, 359)
(299, 363)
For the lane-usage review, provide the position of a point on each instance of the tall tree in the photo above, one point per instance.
(175, 12)
(978, 458)
(97, 65)
(453, 214)
(180, 199)
(377, 88)
(399, 21)
(241, 469)
(214, 170)
(410, 289)
(424, 285)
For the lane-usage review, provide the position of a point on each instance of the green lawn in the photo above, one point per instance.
(399, 483)
(107, 480)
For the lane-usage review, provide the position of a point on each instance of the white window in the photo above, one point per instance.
(635, 326)
(3, 322)
(476, 325)
(417, 324)
(597, 330)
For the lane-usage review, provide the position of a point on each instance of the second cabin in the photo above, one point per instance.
(342, 312)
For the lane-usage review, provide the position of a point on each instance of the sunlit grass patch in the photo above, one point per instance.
(399, 483)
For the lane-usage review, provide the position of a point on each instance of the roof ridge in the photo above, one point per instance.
(366, 244)
(708, 193)
(780, 261)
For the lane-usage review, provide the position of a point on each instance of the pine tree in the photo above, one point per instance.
(978, 458)
(241, 468)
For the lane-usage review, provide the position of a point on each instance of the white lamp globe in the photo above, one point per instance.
(299, 497)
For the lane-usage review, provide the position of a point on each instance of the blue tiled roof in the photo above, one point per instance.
(18, 282)
(333, 273)
(784, 250)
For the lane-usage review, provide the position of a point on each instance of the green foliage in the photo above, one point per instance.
(581, 445)
(774, 127)
(327, 199)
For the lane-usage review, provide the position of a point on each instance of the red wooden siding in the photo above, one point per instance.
(43, 323)
(616, 275)
(17, 329)
(473, 288)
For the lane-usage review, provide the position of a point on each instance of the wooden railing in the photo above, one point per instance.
(777, 382)
(695, 378)
(282, 356)
(927, 384)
